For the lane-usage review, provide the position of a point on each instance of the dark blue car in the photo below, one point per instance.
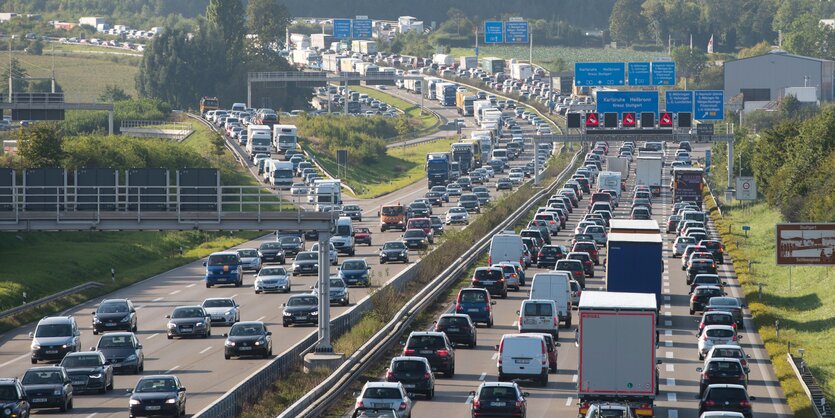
(355, 272)
(477, 304)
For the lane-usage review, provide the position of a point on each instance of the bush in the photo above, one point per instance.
(87, 121)
(362, 137)
(95, 150)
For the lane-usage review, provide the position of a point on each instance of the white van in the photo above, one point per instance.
(343, 239)
(539, 315)
(506, 246)
(554, 286)
(238, 107)
(523, 357)
(500, 154)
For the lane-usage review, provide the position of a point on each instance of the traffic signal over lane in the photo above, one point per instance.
(629, 120)
(666, 120)
(592, 120)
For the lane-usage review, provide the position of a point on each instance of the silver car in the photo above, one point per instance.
(385, 395)
(224, 310)
(334, 258)
(716, 335)
(250, 259)
(272, 279)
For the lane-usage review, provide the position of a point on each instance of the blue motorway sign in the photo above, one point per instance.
(342, 28)
(707, 160)
(599, 74)
(639, 73)
(664, 73)
(516, 32)
(709, 105)
(361, 29)
(493, 32)
(678, 101)
(627, 101)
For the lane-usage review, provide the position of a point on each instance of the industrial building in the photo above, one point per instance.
(767, 78)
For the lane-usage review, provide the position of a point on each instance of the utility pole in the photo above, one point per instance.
(530, 35)
(11, 74)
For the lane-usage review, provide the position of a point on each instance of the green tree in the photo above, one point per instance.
(227, 16)
(268, 19)
(403, 125)
(626, 23)
(40, 145)
(113, 93)
(807, 36)
(19, 74)
(690, 62)
(656, 18)
(761, 48)
(35, 47)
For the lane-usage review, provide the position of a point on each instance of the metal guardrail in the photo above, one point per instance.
(47, 299)
(316, 402)
(36, 98)
(810, 386)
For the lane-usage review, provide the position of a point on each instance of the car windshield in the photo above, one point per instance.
(156, 385)
(729, 302)
(270, 246)
(709, 292)
(187, 313)
(116, 341)
(569, 265)
(538, 309)
(53, 330)
(248, 253)
(306, 256)
(351, 207)
(487, 274)
(730, 395)
(113, 307)
(724, 367)
(218, 303)
(8, 393)
(303, 301)
(727, 353)
(453, 321)
(382, 393)
(414, 233)
(720, 333)
(409, 366)
(290, 240)
(584, 246)
(498, 393)
(473, 296)
(222, 259)
(362, 231)
(41, 377)
(273, 271)
(394, 246)
(392, 210)
(457, 210)
(426, 341)
(246, 329)
(420, 223)
(354, 265)
(70, 362)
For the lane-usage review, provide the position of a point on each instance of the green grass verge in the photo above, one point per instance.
(428, 122)
(83, 78)
(400, 167)
(801, 298)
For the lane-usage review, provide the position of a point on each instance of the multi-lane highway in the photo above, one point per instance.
(199, 362)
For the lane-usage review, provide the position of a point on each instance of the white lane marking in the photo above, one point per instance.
(668, 343)
(668, 354)
(668, 332)
(92, 415)
(469, 399)
(568, 401)
(515, 323)
(670, 368)
(483, 375)
(192, 285)
(171, 369)
(233, 296)
(259, 319)
(671, 381)
(671, 397)
(574, 378)
(205, 350)
(672, 413)
(667, 306)
(152, 336)
(157, 299)
(668, 313)
(495, 355)
(175, 292)
(16, 359)
(139, 307)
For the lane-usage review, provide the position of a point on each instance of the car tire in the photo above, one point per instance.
(284, 324)
(95, 332)
(490, 323)
(451, 372)
(170, 337)
(701, 357)
(257, 292)
(430, 394)
(110, 386)
(692, 312)
(568, 322)
(208, 286)
(135, 328)
(227, 356)
(70, 405)
(543, 381)
(141, 368)
(65, 406)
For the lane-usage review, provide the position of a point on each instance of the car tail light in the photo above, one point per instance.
(389, 376)
(644, 410)
(438, 328)
(519, 403)
(704, 337)
(734, 337)
(551, 222)
(540, 254)
(476, 281)
(476, 403)
(744, 403)
(442, 352)
(706, 375)
(556, 321)
(743, 362)
(360, 405)
(427, 376)
(403, 406)
(459, 308)
(584, 407)
(490, 260)
(489, 308)
(693, 298)
(408, 351)
(710, 403)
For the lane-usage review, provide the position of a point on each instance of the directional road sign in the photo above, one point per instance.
(493, 32)
(627, 101)
(664, 73)
(599, 74)
(709, 104)
(342, 28)
(639, 73)
(678, 101)
(516, 32)
(361, 29)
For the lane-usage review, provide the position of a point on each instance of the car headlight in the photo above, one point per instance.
(365, 275)
(172, 325)
(125, 319)
(287, 314)
(257, 343)
(229, 343)
(96, 320)
(134, 402)
(315, 313)
(96, 376)
(227, 313)
(200, 324)
(403, 253)
(316, 265)
(58, 392)
(131, 357)
(172, 400)
(35, 346)
(66, 346)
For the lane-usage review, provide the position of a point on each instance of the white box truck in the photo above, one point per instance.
(280, 174)
(285, 138)
(327, 194)
(506, 246)
(609, 180)
(443, 59)
(468, 62)
(259, 140)
(617, 340)
(648, 173)
(618, 164)
(521, 71)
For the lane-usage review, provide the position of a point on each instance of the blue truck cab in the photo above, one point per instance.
(224, 268)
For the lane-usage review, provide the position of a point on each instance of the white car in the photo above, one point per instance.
(250, 259)
(299, 189)
(729, 351)
(716, 335)
(331, 252)
(681, 244)
(224, 310)
(516, 178)
(609, 409)
(457, 215)
(272, 279)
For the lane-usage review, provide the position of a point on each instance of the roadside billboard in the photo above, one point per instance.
(806, 244)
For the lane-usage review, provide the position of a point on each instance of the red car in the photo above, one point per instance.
(587, 247)
(362, 236)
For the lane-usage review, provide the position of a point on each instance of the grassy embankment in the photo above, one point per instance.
(398, 168)
(801, 298)
(428, 122)
(43, 263)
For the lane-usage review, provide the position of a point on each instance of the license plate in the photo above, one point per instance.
(39, 400)
(153, 408)
(111, 324)
(522, 360)
(78, 381)
(380, 405)
(301, 317)
(244, 348)
(186, 329)
(531, 321)
(409, 386)
(489, 283)
(497, 404)
(453, 329)
(51, 351)
(472, 310)
(425, 351)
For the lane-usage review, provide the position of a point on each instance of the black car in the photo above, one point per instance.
(435, 347)
(585, 258)
(301, 309)
(721, 370)
(48, 387)
(459, 329)
(725, 397)
(394, 251)
(492, 279)
(272, 252)
(292, 245)
(418, 210)
(13, 398)
(88, 371)
(549, 255)
(700, 266)
(123, 351)
(414, 373)
(716, 248)
(437, 225)
(701, 296)
(306, 262)
(499, 399)
(434, 198)
(249, 338)
(706, 280)
(469, 202)
(188, 321)
(115, 315)
(158, 395)
(415, 238)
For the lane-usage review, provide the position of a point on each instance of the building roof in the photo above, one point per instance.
(780, 53)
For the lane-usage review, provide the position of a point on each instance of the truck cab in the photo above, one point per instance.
(285, 138)
(392, 217)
